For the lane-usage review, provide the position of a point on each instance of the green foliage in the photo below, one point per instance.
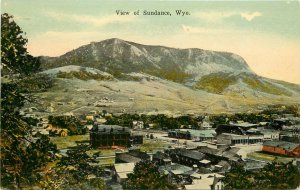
(23, 158)
(174, 75)
(282, 109)
(264, 86)
(77, 170)
(161, 120)
(83, 75)
(68, 122)
(146, 176)
(273, 176)
(35, 83)
(14, 55)
(216, 82)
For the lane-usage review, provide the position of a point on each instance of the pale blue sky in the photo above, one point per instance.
(265, 33)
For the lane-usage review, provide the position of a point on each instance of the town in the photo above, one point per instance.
(193, 151)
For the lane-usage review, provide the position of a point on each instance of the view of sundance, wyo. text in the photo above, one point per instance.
(155, 13)
(150, 95)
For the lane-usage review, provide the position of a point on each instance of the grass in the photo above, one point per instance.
(68, 141)
(152, 145)
(264, 86)
(215, 82)
(269, 157)
(83, 75)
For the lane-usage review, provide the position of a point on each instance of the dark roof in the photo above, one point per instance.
(282, 144)
(207, 150)
(110, 129)
(160, 155)
(229, 154)
(141, 155)
(192, 154)
(254, 164)
(223, 163)
(125, 157)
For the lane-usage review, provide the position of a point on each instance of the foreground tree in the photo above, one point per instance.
(23, 158)
(147, 176)
(272, 176)
(77, 170)
(14, 55)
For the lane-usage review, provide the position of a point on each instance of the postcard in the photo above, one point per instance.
(129, 94)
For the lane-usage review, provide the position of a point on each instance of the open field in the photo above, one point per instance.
(68, 141)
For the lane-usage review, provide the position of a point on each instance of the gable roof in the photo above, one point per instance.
(282, 144)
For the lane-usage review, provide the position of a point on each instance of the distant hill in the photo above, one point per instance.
(223, 79)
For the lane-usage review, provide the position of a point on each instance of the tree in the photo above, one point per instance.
(77, 170)
(273, 176)
(23, 158)
(146, 176)
(14, 55)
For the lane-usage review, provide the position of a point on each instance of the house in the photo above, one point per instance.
(109, 135)
(179, 133)
(270, 134)
(121, 170)
(252, 165)
(132, 156)
(217, 155)
(234, 139)
(161, 158)
(137, 124)
(209, 181)
(176, 172)
(236, 128)
(100, 120)
(186, 156)
(126, 158)
(205, 125)
(282, 147)
(89, 117)
(197, 135)
(56, 131)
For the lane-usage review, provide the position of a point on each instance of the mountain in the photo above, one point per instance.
(117, 56)
(169, 78)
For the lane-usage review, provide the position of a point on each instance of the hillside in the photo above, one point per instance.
(147, 78)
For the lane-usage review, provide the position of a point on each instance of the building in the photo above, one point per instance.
(121, 171)
(282, 147)
(218, 155)
(186, 156)
(109, 136)
(197, 135)
(210, 181)
(236, 128)
(161, 158)
(132, 156)
(270, 134)
(234, 139)
(136, 139)
(137, 124)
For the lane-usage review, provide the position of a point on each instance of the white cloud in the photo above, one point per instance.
(214, 16)
(92, 20)
(250, 16)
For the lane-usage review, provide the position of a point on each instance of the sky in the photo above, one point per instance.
(265, 33)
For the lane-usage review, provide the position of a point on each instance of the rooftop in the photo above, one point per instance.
(282, 144)
(108, 129)
(124, 167)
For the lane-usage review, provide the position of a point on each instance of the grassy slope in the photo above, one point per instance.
(218, 82)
